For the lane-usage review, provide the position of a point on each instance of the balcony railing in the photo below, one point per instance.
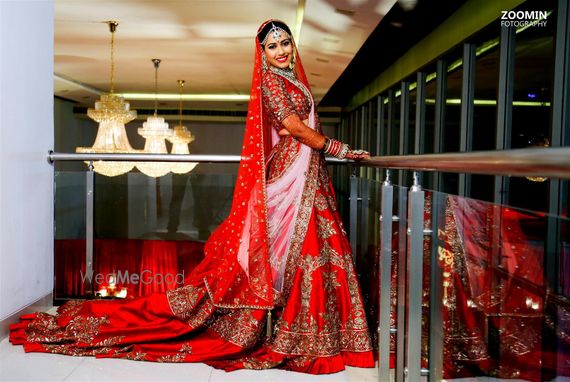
(438, 269)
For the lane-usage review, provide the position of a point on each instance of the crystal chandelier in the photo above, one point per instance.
(180, 139)
(112, 113)
(155, 131)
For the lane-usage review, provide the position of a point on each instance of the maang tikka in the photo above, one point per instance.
(276, 32)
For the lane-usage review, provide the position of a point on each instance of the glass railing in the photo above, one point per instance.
(147, 233)
(458, 288)
(454, 287)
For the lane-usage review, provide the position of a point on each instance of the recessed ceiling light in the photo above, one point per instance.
(346, 12)
(322, 59)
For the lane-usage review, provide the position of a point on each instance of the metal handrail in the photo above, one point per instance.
(198, 158)
(545, 162)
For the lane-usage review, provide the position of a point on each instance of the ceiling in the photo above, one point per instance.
(207, 43)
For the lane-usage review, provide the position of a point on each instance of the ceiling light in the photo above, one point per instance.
(180, 140)
(155, 131)
(112, 113)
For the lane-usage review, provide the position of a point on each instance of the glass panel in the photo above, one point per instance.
(431, 86)
(485, 107)
(152, 229)
(532, 98)
(69, 245)
(452, 127)
(499, 317)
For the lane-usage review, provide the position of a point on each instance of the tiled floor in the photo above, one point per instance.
(15, 365)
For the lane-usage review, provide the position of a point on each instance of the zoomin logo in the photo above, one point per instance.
(523, 18)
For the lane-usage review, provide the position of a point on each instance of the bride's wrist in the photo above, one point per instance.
(335, 148)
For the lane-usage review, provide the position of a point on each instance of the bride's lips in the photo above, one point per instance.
(282, 59)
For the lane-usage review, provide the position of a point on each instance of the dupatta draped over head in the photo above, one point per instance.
(246, 281)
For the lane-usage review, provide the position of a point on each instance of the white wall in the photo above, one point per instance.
(26, 135)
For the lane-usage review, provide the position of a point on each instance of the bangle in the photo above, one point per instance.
(327, 142)
(345, 149)
(336, 148)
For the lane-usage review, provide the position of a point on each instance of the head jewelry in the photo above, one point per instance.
(276, 32)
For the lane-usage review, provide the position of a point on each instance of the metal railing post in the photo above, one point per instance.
(353, 202)
(401, 284)
(415, 284)
(385, 279)
(89, 227)
(436, 290)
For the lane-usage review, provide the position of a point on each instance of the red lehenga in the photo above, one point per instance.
(282, 250)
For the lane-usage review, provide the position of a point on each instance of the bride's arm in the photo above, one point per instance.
(300, 130)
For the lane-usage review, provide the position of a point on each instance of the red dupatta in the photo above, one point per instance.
(228, 284)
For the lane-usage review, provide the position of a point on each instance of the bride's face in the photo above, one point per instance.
(279, 52)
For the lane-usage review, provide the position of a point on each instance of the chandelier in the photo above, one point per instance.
(155, 131)
(112, 113)
(180, 139)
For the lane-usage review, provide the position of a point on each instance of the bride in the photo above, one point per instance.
(277, 287)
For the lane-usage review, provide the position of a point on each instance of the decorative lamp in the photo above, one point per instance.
(180, 139)
(155, 130)
(112, 113)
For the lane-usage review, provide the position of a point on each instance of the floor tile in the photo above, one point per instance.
(274, 375)
(120, 370)
(16, 365)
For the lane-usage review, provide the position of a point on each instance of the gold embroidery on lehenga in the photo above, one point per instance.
(321, 202)
(132, 355)
(73, 351)
(110, 341)
(304, 336)
(174, 358)
(303, 217)
(191, 305)
(256, 364)
(286, 153)
(45, 329)
(325, 227)
(239, 327)
(70, 308)
(186, 348)
(183, 300)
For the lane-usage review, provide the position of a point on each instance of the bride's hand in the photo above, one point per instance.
(357, 155)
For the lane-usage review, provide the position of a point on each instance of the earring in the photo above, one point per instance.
(292, 63)
(264, 62)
